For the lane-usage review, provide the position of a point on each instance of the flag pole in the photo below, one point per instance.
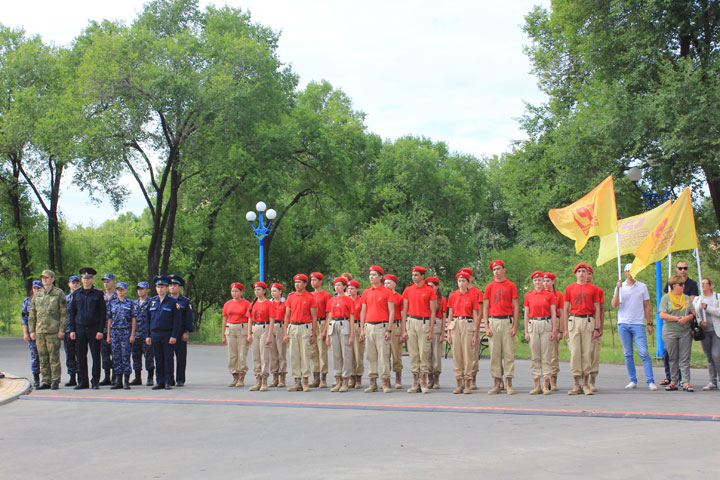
(617, 244)
(696, 254)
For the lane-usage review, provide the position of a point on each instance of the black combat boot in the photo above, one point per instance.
(106, 381)
(138, 378)
(36, 380)
(127, 381)
(118, 384)
(151, 374)
(72, 381)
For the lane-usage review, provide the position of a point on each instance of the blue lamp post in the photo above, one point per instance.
(261, 230)
(651, 199)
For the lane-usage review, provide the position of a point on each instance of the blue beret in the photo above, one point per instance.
(74, 278)
(143, 285)
(175, 278)
(109, 276)
(122, 285)
(161, 280)
(37, 283)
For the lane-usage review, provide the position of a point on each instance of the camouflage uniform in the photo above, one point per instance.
(140, 348)
(48, 316)
(122, 312)
(69, 344)
(34, 361)
(105, 347)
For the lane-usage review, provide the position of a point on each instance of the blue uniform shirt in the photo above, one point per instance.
(122, 312)
(186, 313)
(141, 317)
(25, 310)
(165, 317)
(68, 298)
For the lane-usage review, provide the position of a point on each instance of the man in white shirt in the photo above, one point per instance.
(634, 306)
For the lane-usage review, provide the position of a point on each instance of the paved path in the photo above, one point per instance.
(208, 430)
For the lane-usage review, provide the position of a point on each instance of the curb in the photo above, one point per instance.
(12, 387)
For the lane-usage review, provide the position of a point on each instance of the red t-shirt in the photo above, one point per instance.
(279, 314)
(559, 302)
(443, 307)
(463, 304)
(581, 298)
(600, 294)
(300, 305)
(341, 307)
(500, 295)
(236, 311)
(376, 301)
(538, 303)
(419, 299)
(322, 297)
(478, 293)
(398, 299)
(358, 306)
(261, 311)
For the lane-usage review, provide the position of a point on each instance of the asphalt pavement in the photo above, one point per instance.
(207, 430)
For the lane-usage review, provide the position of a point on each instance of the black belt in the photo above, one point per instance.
(582, 316)
(339, 319)
(419, 318)
(465, 318)
(506, 317)
(540, 318)
(376, 323)
(357, 322)
(260, 323)
(301, 323)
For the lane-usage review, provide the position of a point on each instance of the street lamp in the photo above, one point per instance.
(261, 230)
(651, 199)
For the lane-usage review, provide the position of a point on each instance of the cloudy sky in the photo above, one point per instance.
(452, 71)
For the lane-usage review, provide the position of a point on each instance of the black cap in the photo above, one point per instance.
(88, 271)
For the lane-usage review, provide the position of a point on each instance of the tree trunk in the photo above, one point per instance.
(171, 213)
(14, 197)
(713, 181)
(53, 221)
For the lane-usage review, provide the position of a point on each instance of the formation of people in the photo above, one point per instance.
(369, 327)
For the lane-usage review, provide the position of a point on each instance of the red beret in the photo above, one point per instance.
(590, 269)
(390, 276)
(495, 263)
(237, 285)
(278, 286)
(579, 266)
(376, 269)
(536, 274)
(260, 284)
(317, 275)
(354, 283)
(300, 276)
(549, 275)
(422, 270)
(468, 270)
(463, 274)
(434, 280)
(342, 280)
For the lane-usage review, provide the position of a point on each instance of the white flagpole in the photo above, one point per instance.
(670, 265)
(696, 254)
(617, 245)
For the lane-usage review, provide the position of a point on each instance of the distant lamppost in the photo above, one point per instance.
(651, 199)
(261, 230)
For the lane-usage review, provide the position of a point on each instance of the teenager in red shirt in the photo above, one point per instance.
(340, 333)
(418, 321)
(300, 327)
(463, 313)
(501, 311)
(476, 354)
(376, 319)
(581, 304)
(234, 333)
(549, 284)
(260, 335)
(436, 350)
(278, 348)
(320, 349)
(596, 343)
(358, 346)
(390, 281)
(541, 326)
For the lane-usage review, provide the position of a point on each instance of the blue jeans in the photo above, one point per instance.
(627, 333)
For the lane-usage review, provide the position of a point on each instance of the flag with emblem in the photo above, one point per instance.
(674, 232)
(594, 214)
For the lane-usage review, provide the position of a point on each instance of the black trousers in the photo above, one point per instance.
(181, 356)
(163, 352)
(84, 338)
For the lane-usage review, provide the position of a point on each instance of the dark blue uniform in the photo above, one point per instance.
(105, 347)
(86, 317)
(165, 322)
(187, 326)
(34, 359)
(140, 348)
(69, 344)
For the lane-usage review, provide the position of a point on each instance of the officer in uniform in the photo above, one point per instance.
(121, 333)
(46, 324)
(187, 326)
(86, 316)
(69, 343)
(165, 329)
(25, 313)
(105, 347)
(140, 348)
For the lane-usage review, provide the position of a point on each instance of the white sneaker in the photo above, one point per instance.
(631, 386)
(652, 386)
(710, 386)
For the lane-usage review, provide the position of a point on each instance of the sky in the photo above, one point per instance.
(453, 71)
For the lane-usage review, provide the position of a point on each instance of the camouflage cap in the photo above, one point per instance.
(48, 273)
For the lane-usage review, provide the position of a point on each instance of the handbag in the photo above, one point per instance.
(697, 332)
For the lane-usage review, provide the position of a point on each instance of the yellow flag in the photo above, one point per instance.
(594, 214)
(674, 232)
(632, 231)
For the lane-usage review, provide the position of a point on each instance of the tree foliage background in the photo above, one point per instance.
(196, 107)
